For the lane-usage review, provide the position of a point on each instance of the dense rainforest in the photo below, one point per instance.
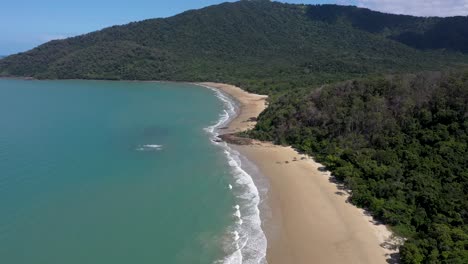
(344, 87)
(400, 143)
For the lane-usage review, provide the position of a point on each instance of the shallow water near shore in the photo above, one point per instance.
(121, 172)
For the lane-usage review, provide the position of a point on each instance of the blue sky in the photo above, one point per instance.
(25, 24)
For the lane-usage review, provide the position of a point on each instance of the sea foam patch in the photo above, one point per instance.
(150, 147)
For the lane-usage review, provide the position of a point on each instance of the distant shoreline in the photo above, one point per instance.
(103, 80)
(311, 220)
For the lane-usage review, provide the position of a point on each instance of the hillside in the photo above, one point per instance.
(400, 143)
(260, 45)
(425, 33)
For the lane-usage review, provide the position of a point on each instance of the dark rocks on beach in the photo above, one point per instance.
(252, 119)
(236, 140)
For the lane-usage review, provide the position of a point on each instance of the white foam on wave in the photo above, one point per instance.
(236, 236)
(153, 146)
(252, 241)
(228, 113)
(149, 147)
(247, 242)
(237, 213)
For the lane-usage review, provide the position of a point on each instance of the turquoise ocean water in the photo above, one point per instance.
(121, 172)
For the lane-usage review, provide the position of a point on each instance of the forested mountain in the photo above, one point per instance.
(449, 33)
(397, 139)
(260, 45)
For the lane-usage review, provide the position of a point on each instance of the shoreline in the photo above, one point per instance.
(311, 219)
(246, 240)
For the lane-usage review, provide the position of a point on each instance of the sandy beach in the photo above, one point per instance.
(311, 220)
(251, 105)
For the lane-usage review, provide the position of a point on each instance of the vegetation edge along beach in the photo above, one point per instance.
(292, 177)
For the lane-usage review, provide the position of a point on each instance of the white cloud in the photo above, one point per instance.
(417, 7)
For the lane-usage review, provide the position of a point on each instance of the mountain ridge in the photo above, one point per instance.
(416, 32)
(241, 43)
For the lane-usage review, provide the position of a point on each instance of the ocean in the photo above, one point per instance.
(122, 172)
